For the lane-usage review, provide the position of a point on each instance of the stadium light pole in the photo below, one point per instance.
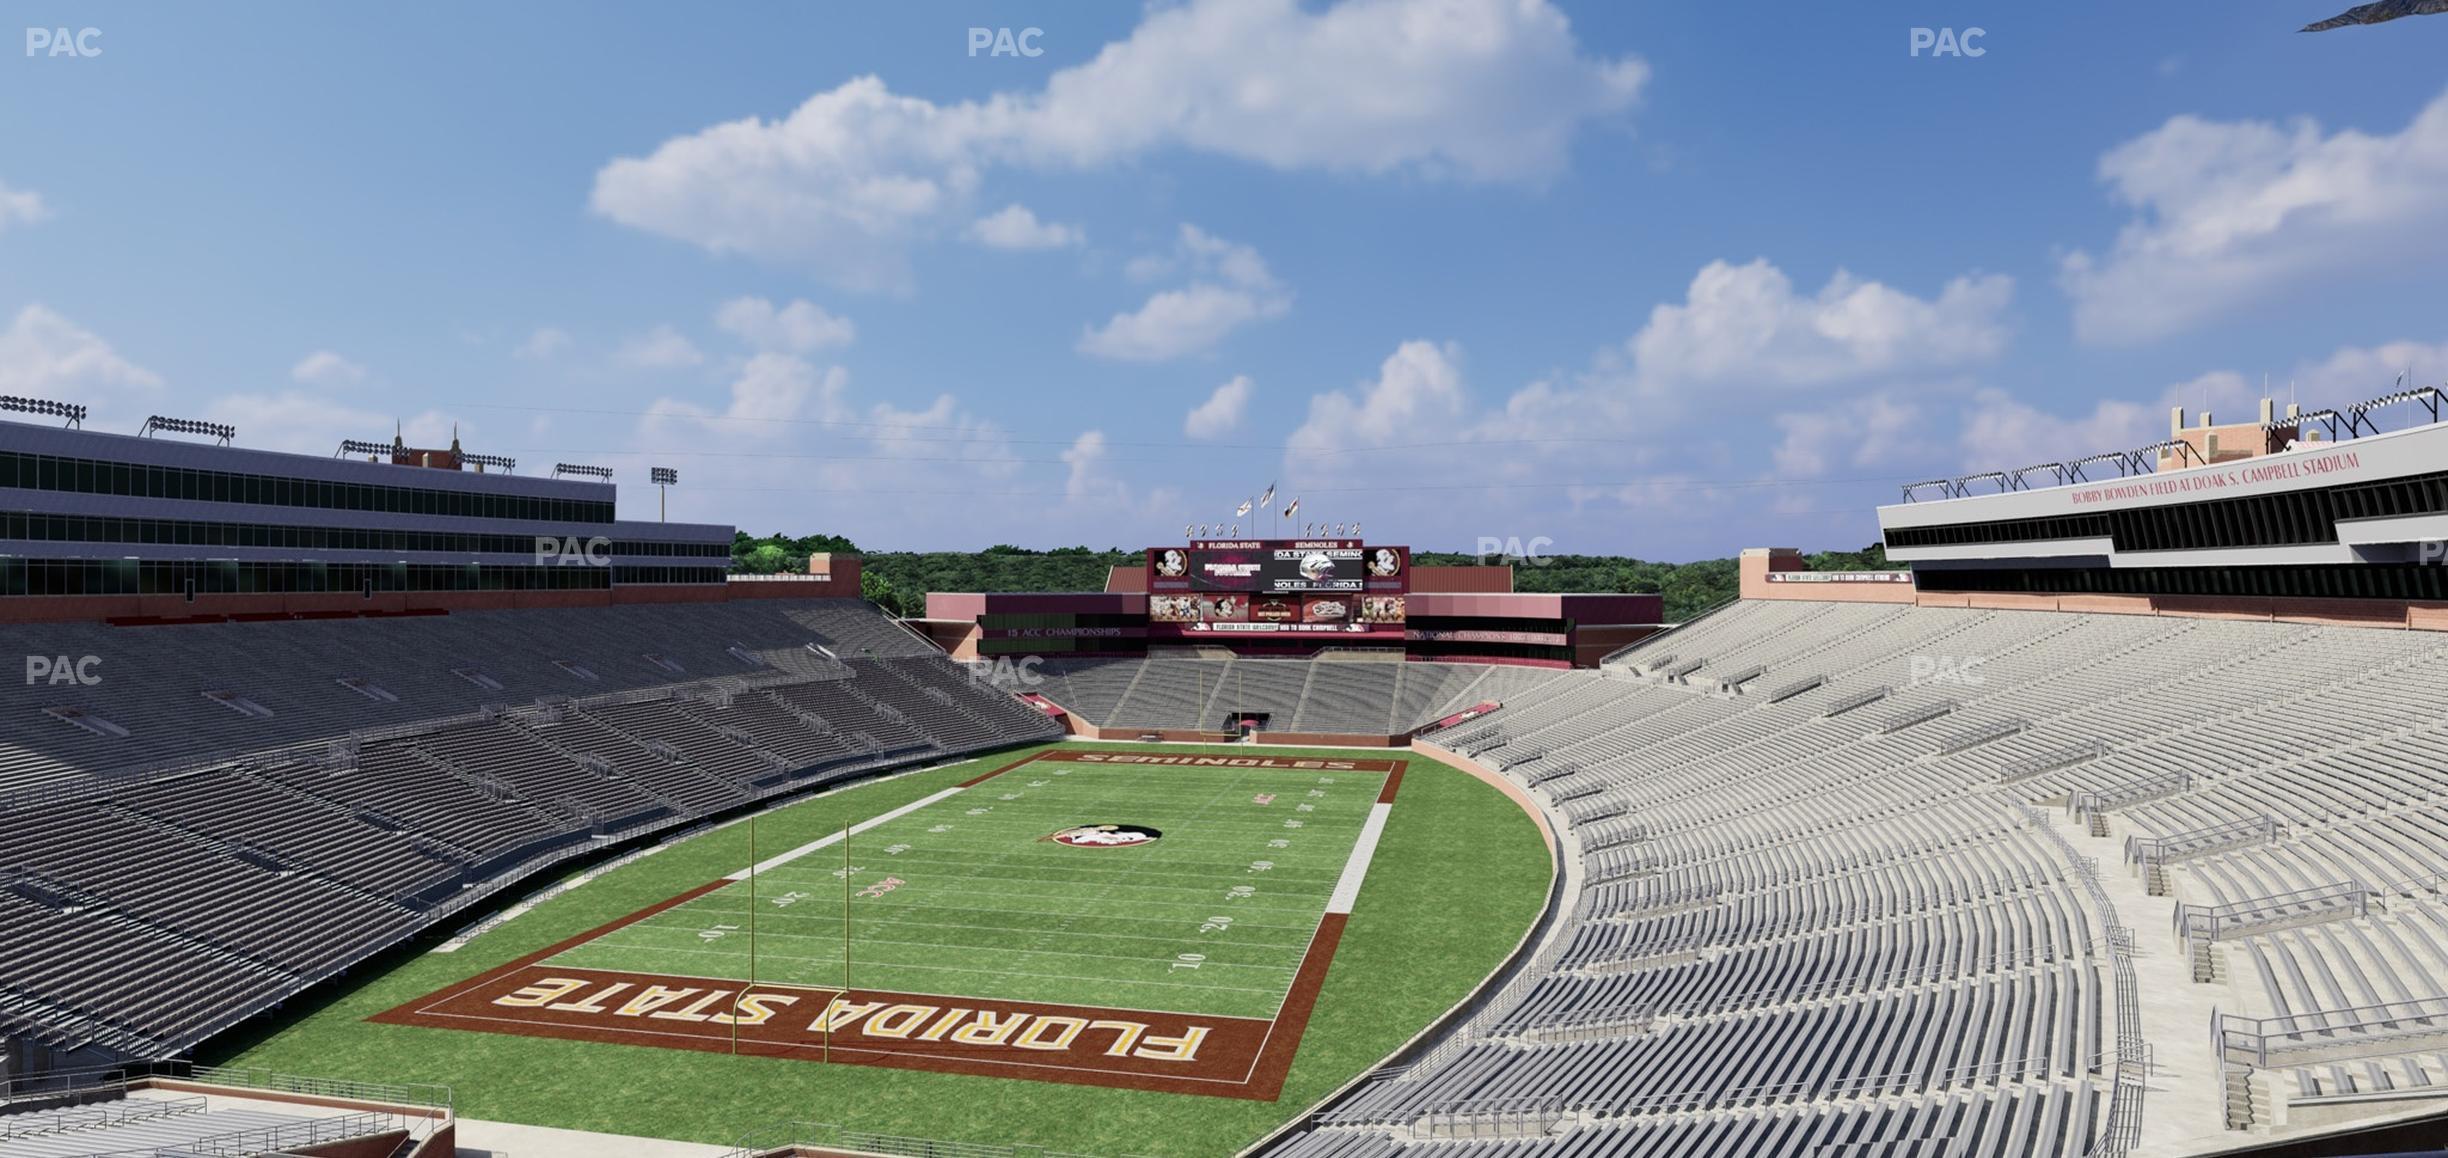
(664, 478)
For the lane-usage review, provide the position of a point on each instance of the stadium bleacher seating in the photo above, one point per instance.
(144, 908)
(173, 1110)
(324, 678)
(1355, 692)
(1813, 904)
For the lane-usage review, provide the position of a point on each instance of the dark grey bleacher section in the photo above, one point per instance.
(152, 681)
(1355, 693)
(142, 912)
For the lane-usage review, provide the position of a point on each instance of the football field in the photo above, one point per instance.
(1141, 920)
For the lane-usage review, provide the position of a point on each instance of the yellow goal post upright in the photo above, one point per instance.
(750, 987)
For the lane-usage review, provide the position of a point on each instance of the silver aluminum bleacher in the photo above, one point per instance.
(1806, 914)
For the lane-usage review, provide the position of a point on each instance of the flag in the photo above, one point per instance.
(1268, 499)
(1292, 508)
(1242, 511)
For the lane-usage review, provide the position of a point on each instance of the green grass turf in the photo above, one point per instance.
(1458, 875)
(1211, 917)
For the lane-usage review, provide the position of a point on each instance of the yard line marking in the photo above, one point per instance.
(1348, 889)
(832, 921)
(771, 863)
(1106, 981)
(937, 945)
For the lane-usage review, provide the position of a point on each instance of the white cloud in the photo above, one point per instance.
(1417, 391)
(2353, 373)
(2002, 432)
(47, 356)
(799, 328)
(1484, 90)
(1085, 456)
(2228, 214)
(544, 343)
(1223, 410)
(1700, 422)
(1097, 502)
(1999, 427)
(1014, 227)
(1743, 325)
(20, 207)
(1861, 433)
(1232, 288)
(662, 348)
(325, 368)
(1477, 90)
(1861, 352)
(771, 388)
(303, 422)
(1177, 322)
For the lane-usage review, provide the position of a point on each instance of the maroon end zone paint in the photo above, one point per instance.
(1231, 1057)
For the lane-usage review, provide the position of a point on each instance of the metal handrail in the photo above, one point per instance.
(2215, 922)
(2145, 460)
(833, 1136)
(2238, 1037)
(2123, 1126)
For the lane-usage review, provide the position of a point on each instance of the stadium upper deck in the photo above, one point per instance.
(2320, 506)
(96, 525)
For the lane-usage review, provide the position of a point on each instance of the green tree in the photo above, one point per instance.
(879, 590)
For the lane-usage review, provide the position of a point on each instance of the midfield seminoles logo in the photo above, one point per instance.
(1104, 835)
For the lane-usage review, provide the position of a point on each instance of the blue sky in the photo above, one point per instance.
(1659, 280)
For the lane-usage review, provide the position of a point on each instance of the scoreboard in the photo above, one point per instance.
(1278, 585)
